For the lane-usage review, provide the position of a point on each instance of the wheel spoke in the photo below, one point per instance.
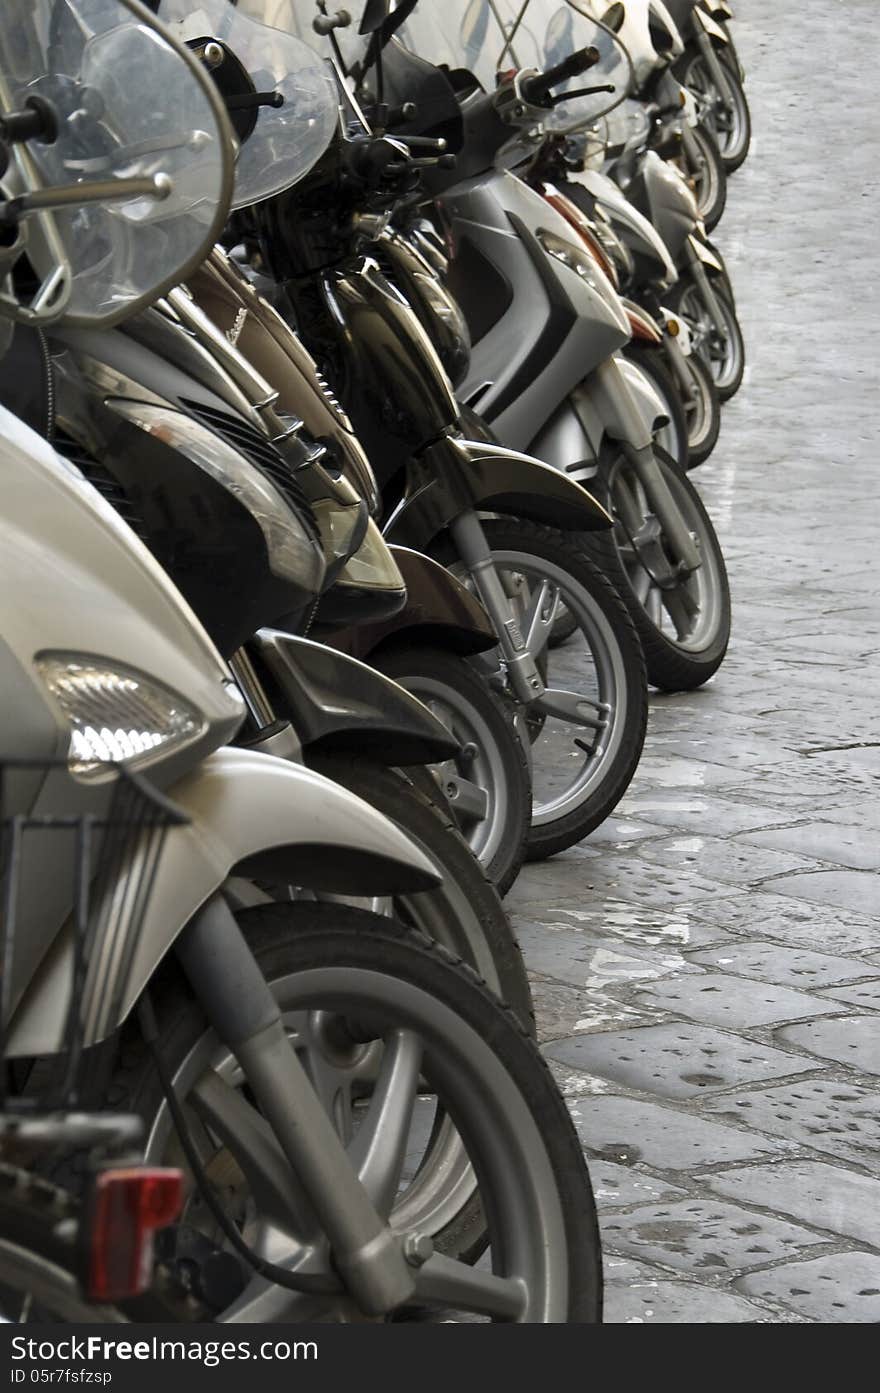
(378, 1150)
(250, 1140)
(571, 706)
(444, 1282)
(540, 619)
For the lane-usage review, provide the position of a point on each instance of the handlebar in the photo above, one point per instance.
(536, 90)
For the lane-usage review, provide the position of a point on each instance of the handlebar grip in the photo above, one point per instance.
(536, 89)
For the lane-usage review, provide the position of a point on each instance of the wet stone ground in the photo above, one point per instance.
(707, 966)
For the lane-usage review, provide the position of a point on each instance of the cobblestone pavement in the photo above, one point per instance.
(707, 965)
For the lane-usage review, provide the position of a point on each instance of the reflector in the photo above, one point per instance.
(128, 1206)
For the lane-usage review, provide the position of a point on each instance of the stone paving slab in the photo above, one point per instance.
(765, 914)
(735, 1002)
(855, 890)
(839, 1287)
(855, 847)
(722, 860)
(694, 812)
(706, 1236)
(828, 1198)
(865, 995)
(639, 927)
(850, 1040)
(679, 1303)
(842, 1119)
(615, 1187)
(626, 1130)
(675, 1060)
(790, 967)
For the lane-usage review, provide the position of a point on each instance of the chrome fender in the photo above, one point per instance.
(249, 814)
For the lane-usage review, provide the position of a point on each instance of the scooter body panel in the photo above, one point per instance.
(559, 324)
(634, 229)
(249, 814)
(662, 195)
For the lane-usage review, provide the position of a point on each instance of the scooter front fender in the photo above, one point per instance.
(489, 479)
(572, 440)
(338, 705)
(711, 27)
(249, 814)
(702, 253)
(439, 610)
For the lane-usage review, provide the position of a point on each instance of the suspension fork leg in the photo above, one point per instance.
(704, 285)
(678, 362)
(470, 539)
(239, 1004)
(716, 68)
(612, 393)
(691, 145)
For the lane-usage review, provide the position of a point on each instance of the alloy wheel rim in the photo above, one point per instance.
(691, 609)
(479, 768)
(607, 688)
(528, 1244)
(725, 120)
(722, 355)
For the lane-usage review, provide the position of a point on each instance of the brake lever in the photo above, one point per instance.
(560, 97)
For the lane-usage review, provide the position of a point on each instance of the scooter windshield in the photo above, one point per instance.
(125, 184)
(288, 131)
(544, 32)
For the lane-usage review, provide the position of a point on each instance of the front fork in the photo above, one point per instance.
(522, 670)
(613, 398)
(715, 66)
(704, 285)
(677, 359)
(523, 675)
(238, 1001)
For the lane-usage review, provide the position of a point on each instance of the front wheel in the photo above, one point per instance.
(721, 348)
(683, 622)
(488, 784)
(437, 1093)
(586, 732)
(704, 168)
(727, 117)
(464, 913)
(702, 411)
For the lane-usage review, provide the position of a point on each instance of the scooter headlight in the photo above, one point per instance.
(579, 260)
(116, 713)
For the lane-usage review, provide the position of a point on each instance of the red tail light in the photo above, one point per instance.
(128, 1206)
